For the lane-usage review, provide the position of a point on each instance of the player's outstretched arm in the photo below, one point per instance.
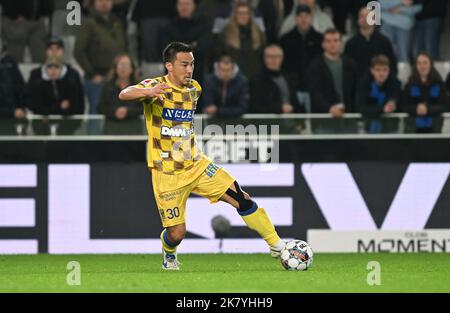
(136, 93)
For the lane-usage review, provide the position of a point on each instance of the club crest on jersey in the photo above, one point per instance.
(178, 115)
(194, 94)
(176, 131)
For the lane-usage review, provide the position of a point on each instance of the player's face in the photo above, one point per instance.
(182, 68)
(380, 73)
(273, 58)
(332, 44)
(423, 65)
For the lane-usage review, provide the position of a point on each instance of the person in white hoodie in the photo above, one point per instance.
(397, 23)
(321, 20)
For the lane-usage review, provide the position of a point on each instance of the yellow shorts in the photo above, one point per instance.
(205, 179)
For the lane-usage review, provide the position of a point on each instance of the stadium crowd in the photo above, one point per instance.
(255, 56)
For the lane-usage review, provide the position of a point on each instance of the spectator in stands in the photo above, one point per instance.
(242, 40)
(100, 38)
(273, 13)
(122, 117)
(428, 27)
(341, 10)
(24, 26)
(321, 21)
(301, 45)
(152, 17)
(189, 27)
(210, 10)
(11, 93)
(397, 23)
(367, 43)
(377, 93)
(425, 96)
(332, 78)
(273, 91)
(55, 49)
(54, 90)
(226, 91)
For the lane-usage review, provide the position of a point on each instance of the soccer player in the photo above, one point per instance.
(177, 165)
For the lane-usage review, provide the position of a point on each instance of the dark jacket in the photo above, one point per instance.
(436, 99)
(193, 31)
(321, 86)
(361, 50)
(12, 87)
(44, 96)
(299, 51)
(269, 14)
(98, 42)
(109, 102)
(145, 9)
(371, 98)
(232, 100)
(434, 96)
(29, 9)
(265, 96)
(432, 8)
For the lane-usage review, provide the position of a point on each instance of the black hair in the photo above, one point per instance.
(170, 52)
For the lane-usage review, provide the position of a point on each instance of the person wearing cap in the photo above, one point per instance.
(301, 45)
(55, 70)
(55, 87)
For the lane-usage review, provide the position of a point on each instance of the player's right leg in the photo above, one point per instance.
(171, 237)
(171, 202)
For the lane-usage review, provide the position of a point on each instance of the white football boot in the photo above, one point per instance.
(170, 262)
(275, 251)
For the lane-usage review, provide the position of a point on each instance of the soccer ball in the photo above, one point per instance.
(297, 255)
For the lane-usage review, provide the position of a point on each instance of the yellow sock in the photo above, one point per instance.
(261, 223)
(168, 246)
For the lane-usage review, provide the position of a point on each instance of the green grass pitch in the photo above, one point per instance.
(225, 273)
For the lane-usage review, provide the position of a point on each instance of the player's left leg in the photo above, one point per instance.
(254, 216)
(218, 184)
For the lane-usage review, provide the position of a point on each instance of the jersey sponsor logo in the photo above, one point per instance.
(176, 132)
(178, 115)
(211, 169)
